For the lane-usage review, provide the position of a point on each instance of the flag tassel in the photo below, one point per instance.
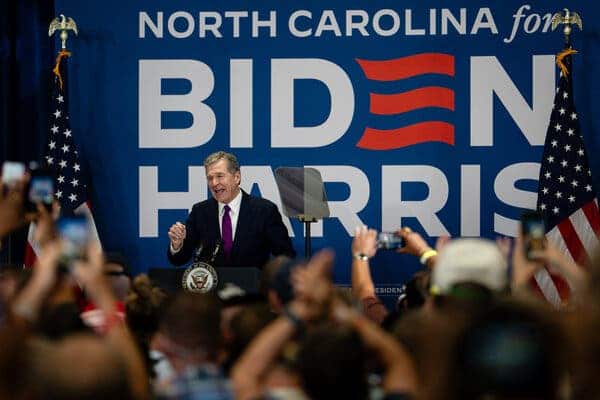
(560, 60)
(56, 70)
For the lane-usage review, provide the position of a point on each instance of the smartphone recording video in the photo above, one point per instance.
(533, 230)
(389, 241)
(74, 232)
(40, 189)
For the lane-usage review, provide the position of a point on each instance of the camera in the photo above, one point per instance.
(533, 230)
(389, 241)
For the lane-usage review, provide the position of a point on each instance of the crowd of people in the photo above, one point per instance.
(467, 326)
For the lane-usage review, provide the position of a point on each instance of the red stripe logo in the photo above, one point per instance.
(431, 131)
(399, 103)
(408, 67)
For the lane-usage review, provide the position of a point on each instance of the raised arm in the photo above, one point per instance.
(313, 289)
(400, 375)
(12, 212)
(415, 245)
(551, 256)
(89, 273)
(364, 246)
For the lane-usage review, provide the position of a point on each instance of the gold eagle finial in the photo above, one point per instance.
(64, 25)
(567, 19)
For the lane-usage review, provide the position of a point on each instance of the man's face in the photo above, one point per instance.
(223, 185)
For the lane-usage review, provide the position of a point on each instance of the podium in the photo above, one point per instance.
(169, 279)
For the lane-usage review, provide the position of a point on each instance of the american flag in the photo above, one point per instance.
(62, 156)
(566, 195)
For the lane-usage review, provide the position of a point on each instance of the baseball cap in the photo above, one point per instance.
(471, 260)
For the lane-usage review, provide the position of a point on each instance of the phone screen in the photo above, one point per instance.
(389, 241)
(41, 189)
(75, 234)
(534, 232)
(12, 172)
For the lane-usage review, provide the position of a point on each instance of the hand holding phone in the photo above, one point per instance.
(40, 189)
(74, 232)
(533, 230)
(389, 241)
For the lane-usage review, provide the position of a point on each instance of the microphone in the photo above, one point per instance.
(198, 252)
(218, 246)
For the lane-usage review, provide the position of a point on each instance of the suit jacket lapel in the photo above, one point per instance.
(213, 221)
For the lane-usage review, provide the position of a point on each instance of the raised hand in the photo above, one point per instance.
(45, 229)
(312, 285)
(413, 242)
(441, 242)
(89, 271)
(177, 234)
(45, 275)
(504, 244)
(522, 268)
(557, 261)
(365, 241)
(12, 211)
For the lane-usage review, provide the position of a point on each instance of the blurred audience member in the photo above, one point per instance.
(275, 283)
(58, 370)
(233, 300)
(189, 336)
(11, 278)
(244, 326)
(514, 351)
(79, 367)
(476, 261)
(143, 308)
(330, 362)
(117, 271)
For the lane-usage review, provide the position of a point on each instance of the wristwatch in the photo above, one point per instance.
(360, 256)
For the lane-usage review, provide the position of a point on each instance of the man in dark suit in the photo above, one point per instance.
(248, 229)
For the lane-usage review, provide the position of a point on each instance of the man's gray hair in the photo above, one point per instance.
(234, 166)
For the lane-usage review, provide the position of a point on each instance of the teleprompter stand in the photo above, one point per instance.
(303, 197)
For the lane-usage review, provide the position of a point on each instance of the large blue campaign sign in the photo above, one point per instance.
(416, 114)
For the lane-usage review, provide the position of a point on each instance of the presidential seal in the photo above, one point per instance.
(200, 277)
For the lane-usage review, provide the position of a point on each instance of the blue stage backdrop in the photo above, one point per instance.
(420, 114)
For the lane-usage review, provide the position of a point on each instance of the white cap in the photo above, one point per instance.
(469, 260)
(230, 291)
